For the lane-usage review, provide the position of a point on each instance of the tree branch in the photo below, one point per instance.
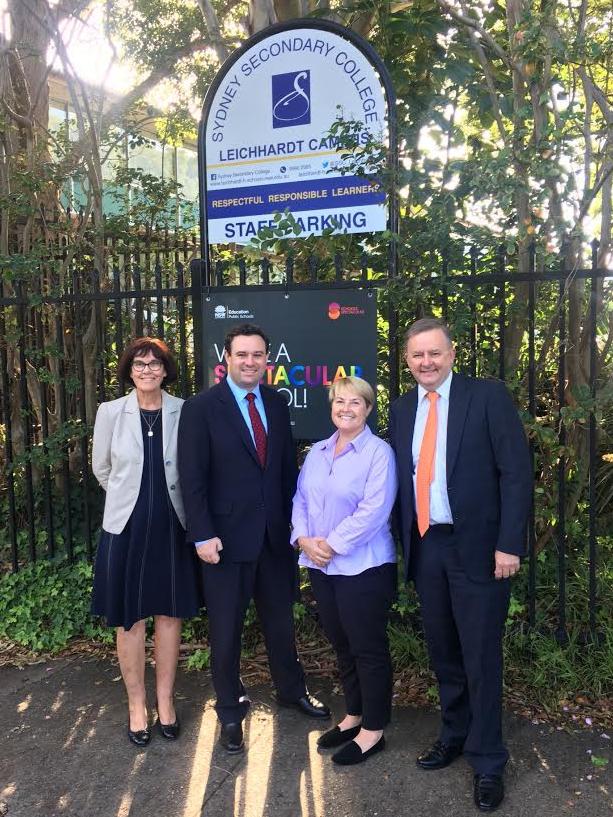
(214, 29)
(473, 25)
(491, 85)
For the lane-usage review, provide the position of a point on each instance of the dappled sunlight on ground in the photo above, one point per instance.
(64, 752)
(201, 763)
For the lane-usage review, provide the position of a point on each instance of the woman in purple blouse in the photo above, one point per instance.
(346, 490)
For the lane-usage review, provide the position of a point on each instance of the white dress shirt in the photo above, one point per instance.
(440, 511)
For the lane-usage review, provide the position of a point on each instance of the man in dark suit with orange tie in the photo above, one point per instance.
(237, 466)
(465, 493)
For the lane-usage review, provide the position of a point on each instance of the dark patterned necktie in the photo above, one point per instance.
(259, 432)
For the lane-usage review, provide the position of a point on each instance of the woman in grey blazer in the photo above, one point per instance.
(143, 565)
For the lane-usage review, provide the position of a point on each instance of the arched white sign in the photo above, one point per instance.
(265, 138)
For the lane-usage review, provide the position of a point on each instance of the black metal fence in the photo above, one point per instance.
(544, 331)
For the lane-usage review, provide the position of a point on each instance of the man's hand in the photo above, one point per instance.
(209, 551)
(507, 565)
(317, 549)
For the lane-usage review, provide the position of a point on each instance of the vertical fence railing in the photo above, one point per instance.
(532, 414)
(8, 436)
(46, 470)
(592, 443)
(26, 420)
(561, 633)
(152, 292)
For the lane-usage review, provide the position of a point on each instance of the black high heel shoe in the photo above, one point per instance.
(139, 737)
(170, 731)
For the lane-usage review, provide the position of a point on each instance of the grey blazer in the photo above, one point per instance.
(117, 456)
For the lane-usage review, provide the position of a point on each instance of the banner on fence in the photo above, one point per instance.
(316, 337)
(266, 145)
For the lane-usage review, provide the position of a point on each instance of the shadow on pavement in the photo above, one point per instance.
(64, 751)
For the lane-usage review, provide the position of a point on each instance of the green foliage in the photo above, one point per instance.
(143, 199)
(46, 604)
(199, 659)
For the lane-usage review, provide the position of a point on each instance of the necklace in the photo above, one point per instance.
(147, 423)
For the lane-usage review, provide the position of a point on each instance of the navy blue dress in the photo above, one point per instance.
(148, 569)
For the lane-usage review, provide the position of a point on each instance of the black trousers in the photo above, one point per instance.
(354, 612)
(464, 623)
(228, 590)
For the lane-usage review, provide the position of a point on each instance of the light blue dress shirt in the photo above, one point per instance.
(440, 511)
(240, 395)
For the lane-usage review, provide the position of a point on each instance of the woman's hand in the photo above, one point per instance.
(317, 549)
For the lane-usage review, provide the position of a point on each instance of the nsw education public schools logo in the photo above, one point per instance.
(291, 99)
(220, 313)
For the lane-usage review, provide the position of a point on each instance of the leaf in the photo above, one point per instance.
(599, 762)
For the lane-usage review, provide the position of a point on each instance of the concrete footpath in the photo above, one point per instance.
(64, 751)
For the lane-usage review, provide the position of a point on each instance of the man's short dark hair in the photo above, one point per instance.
(139, 348)
(244, 329)
(427, 325)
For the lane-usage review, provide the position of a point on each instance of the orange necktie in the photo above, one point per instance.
(425, 466)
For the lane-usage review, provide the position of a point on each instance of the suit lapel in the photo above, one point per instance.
(132, 412)
(459, 399)
(169, 418)
(271, 422)
(236, 418)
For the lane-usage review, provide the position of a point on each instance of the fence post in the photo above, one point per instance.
(196, 270)
(592, 543)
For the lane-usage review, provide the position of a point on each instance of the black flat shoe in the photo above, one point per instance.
(438, 756)
(170, 731)
(488, 791)
(140, 737)
(336, 737)
(351, 754)
(308, 705)
(231, 738)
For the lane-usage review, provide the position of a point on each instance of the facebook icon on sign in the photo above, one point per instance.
(291, 99)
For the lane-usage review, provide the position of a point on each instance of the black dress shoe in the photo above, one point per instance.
(351, 754)
(488, 791)
(336, 737)
(439, 756)
(170, 731)
(231, 738)
(308, 705)
(140, 737)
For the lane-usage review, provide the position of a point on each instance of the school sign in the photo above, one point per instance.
(265, 143)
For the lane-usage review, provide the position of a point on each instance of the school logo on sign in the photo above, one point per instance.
(291, 99)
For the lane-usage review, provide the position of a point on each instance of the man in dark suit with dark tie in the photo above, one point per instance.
(237, 466)
(465, 493)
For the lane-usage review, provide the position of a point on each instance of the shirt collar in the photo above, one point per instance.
(357, 443)
(240, 393)
(443, 389)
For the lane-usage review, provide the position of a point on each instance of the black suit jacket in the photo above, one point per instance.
(225, 490)
(489, 474)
